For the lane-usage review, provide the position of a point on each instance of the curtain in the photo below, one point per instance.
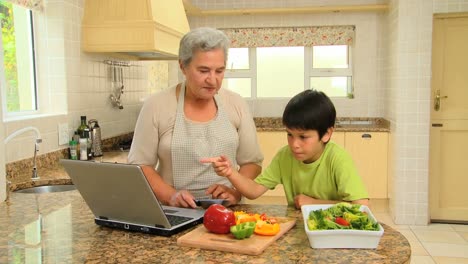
(293, 36)
(35, 5)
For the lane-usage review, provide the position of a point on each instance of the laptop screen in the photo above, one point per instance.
(120, 193)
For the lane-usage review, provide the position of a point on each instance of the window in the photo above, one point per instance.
(239, 68)
(282, 72)
(330, 70)
(17, 61)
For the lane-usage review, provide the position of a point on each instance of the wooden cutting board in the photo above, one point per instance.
(200, 237)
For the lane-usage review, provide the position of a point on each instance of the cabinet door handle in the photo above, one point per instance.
(366, 135)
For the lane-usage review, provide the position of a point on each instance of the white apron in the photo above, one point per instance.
(192, 141)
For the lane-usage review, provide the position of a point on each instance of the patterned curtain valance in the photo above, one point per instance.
(35, 5)
(294, 36)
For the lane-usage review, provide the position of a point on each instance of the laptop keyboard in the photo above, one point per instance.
(176, 219)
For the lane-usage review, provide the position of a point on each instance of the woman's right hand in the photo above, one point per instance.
(182, 198)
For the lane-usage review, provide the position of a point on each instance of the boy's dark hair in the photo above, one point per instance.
(310, 110)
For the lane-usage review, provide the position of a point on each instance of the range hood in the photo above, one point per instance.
(134, 29)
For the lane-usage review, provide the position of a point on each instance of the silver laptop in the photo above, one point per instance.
(120, 197)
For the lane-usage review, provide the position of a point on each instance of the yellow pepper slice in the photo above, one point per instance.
(243, 217)
(266, 229)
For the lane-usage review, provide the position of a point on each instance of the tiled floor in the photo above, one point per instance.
(435, 243)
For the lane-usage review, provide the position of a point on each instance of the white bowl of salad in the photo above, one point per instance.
(341, 225)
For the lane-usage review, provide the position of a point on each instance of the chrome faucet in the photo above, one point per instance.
(36, 149)
(36, 145)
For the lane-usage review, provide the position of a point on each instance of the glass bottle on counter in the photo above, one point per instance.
(82, 127)
(76, 136)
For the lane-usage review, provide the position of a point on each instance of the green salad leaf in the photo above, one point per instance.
(341, 216)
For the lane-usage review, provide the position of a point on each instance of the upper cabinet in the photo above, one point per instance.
(134, 29)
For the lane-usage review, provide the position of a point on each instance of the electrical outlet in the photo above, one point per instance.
(63, 135)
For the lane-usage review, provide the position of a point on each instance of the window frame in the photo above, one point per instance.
(246, 73)
(309, 72)
(7, 115)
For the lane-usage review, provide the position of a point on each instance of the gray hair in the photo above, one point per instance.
(202, 39)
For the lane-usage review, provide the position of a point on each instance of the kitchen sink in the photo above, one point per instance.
(354, 122)
(48, 189)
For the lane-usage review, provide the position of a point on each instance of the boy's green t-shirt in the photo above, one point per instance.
(332, 177)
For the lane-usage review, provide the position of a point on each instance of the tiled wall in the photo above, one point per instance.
(406, 79)
(393, 51)
(450, 6)
(408, 89)
(369, 97)
(78, 84)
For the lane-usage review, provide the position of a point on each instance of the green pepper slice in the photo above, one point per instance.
(243, 230)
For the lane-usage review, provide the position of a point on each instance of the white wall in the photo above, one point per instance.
(407, 107)
(393, 72)
(369, 99)
(78, 83)
(407, 85)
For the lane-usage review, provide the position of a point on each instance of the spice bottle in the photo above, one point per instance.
(83, 149)
(76, 138)
(73, 149)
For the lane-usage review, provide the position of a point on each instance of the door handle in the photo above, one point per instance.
(437, 100)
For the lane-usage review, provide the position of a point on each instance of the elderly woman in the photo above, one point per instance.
(195, 119)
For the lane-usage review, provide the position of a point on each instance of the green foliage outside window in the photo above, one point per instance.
(9, 56)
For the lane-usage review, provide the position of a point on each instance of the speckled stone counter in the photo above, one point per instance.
(55, 173)
(59, 228)
(50, 172)
(345, 124)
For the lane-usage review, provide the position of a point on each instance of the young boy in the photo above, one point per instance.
(312, 169)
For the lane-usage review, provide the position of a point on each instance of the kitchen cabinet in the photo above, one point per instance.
(339, 138)
(368, 149)
(369, 152)
(270, 143)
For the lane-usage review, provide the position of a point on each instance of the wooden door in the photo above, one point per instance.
(448, 167)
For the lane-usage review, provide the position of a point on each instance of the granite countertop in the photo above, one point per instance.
(56, 174)
(50, 172)
(59, 228)
(344, 124)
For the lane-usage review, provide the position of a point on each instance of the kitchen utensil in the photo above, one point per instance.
(121, 83)
(200, 237)
(205, 203)
(117, 87)
(96, 141)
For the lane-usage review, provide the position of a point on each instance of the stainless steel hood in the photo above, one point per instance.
(134, 29)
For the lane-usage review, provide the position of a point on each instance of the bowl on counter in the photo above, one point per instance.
(341, 238)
